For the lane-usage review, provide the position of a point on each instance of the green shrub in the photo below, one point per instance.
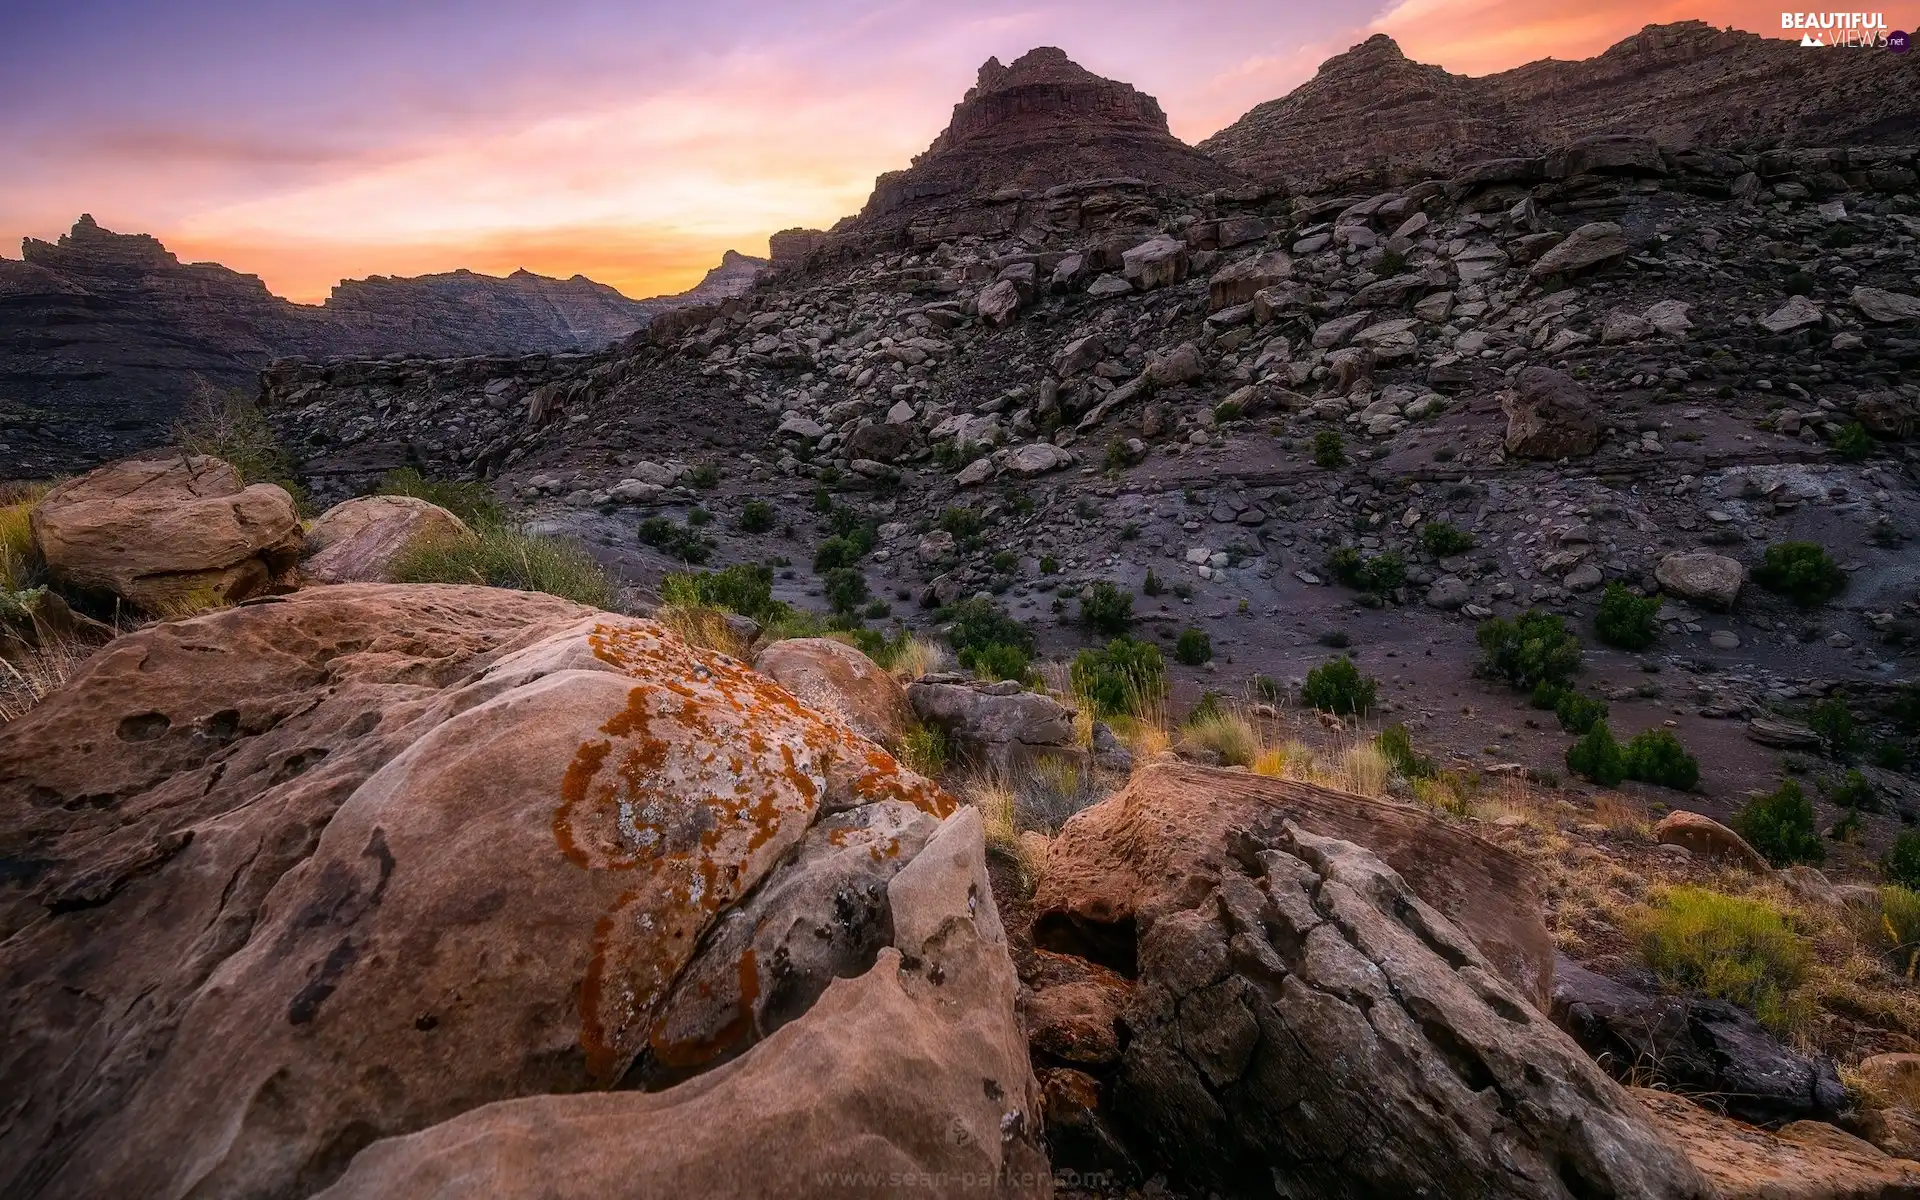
(1626, 620)
(1579, 714)
(1534, 648)
(922, 750)
(1050, 565)
(497, 556)
(1396, 746)
(756, 516)
(1853, 442)
(846, 589)
(1598, 757)
(1902, 861)
(1004, 562)
(1833, 721)
(1329, 450)
(997, 660)
(834, 554)
(745, 588)
(1153, 586)
(1802, 572)
(706, 477)
(699, 517)
(1731, 948)
(858, 531)
(1377, 573)
(1442, 540)
(1656, 756)
(1104, 608)
(1780, 826)
(1122, 679)
(1854, 791)
(1338, 687)
(679, 541)
(1548, 696)
(1193, 647)
(471, 502)
(976, 623)
(962, 523)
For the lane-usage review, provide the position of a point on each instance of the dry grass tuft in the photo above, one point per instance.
(1363, 771)
(705, 626)
(995, 797)
(35, 673)
(191, 603)
(917, 657)
(1227, 732)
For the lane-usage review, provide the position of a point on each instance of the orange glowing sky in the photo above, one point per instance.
(631, 143)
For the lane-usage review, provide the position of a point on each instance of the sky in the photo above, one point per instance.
(631, 142)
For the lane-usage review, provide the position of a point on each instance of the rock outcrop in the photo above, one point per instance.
(1803, 1161)
(349, 864)
(1373, 117)
(164, 532)
(841, 683)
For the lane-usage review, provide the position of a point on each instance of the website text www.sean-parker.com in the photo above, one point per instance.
(961, 1181)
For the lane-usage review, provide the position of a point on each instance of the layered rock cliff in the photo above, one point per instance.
(1372, 114)
(105, 336)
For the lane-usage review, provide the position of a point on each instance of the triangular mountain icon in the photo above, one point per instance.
(1808, 39)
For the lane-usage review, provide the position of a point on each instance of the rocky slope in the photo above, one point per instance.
(1373, 116)
(104, 336)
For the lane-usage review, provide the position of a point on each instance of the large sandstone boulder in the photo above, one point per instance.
(988, 716)
(1707, 838)
(358, 540)
(167, 530)
(1587, 248)
(839, 682)
(1302, 1023)
(1239, 282)
(302, 875)
(1159, 845)
(1549, 416)
(1712, 579)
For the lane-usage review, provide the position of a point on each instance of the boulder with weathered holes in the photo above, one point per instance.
(1549, 416)
(1302, 1023)
(358, 541)
(1693, 1045)
(297, 876)
(838, 681)
(1711, 579)
(166, 530)
(1707, 838)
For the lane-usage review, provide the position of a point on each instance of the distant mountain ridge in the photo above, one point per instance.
(1373, 114)
(104, 336)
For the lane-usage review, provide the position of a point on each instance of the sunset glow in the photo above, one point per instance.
(630, 143)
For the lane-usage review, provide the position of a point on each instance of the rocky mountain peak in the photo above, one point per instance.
(88, 247)
(1042, 90)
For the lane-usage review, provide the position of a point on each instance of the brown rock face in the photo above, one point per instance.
(1372, 115)
(163, 531)
(1805, 1160)
(1549, 416)
(297, 876)
(838, 681)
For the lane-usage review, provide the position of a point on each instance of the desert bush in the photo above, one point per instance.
(1626, 620)
(1579, 714)
(834, 554)
(1899, 932)
(1377, 573)
(230, 427)
(1597, 757)
(1656, 756)
(1802, 572)
(1902, 860)
(846, 589)
(997, 660)
(679, 541)
(1225, 732)
(706, 477)
(1121, 679)
(756, 516)
(986, 640)
(1442, 539)
(1854, 791)
(1104, 608)
(1338, 687)
(499, 556)
(1445, 792)
(1853, 442)
(1329, 450)
(1833, 721)
(469, 500)
(20, 565)
(1534, 648)
(1740, 949)
(962, 523)
(745, 588)
(1396, 746)
(1193, 647)
(923, 750)
(1780, 826)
